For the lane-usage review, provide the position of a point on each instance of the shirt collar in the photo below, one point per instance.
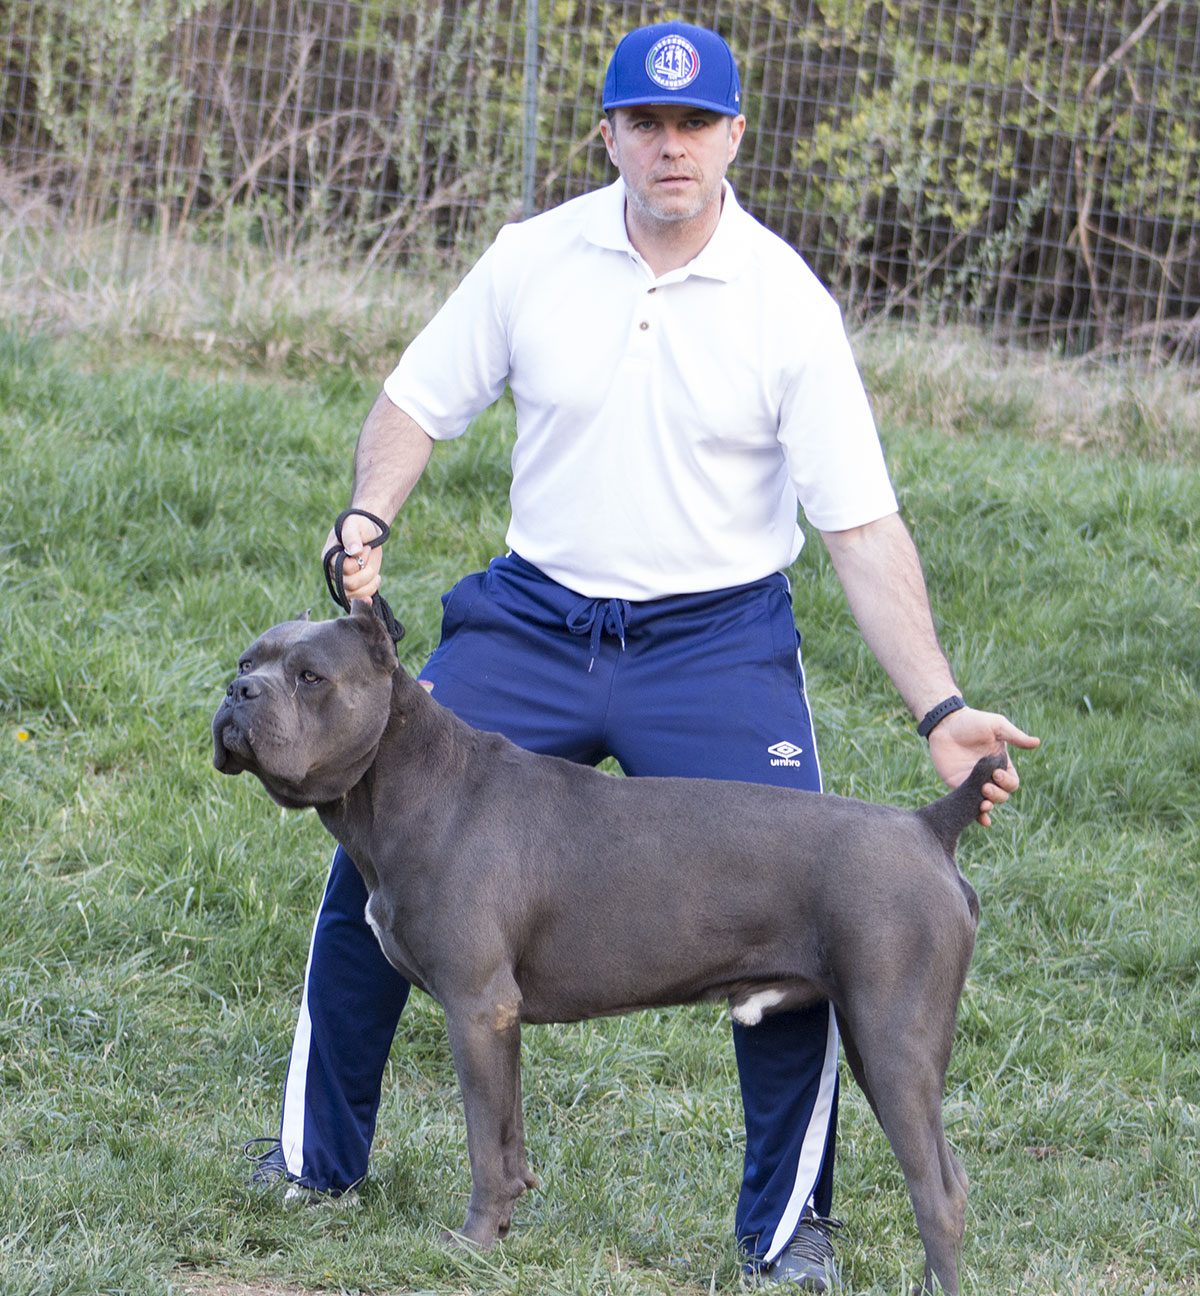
(722, 257)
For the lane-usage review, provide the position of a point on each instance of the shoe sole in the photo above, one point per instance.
(298, 1195)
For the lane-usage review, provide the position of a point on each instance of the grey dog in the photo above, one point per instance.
(516, 888)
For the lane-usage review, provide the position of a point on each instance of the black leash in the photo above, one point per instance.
(335, 580)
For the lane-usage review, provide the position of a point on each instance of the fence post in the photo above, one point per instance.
(529, 151)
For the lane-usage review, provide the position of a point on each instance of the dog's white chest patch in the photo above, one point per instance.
(750, 1011)
(374, 926)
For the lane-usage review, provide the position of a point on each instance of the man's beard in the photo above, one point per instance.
(671, 215)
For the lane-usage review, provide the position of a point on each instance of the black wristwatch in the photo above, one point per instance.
(935, 715)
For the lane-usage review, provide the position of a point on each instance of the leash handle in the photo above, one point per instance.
(335, 580)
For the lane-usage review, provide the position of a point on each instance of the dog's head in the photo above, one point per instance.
(308, 707)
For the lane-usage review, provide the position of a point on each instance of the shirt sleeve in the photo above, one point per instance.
(458, 364)
(827, 430)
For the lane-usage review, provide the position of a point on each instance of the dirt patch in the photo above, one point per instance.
(202, 1284)
(194, 1282)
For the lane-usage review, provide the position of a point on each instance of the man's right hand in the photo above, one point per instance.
(360, 564)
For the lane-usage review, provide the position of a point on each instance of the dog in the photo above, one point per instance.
(518, 888)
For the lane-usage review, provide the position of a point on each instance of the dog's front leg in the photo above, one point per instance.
(485, 1040)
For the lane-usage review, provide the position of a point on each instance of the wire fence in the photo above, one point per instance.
(1030, 166)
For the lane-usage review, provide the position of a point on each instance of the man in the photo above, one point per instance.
(681, 381)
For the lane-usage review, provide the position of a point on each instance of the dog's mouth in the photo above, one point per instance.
(232, 750)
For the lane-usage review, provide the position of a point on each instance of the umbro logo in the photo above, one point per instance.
(785, 753)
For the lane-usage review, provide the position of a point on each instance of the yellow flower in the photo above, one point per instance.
(23, 735)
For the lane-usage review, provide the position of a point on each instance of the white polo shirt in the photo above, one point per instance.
(666, 427)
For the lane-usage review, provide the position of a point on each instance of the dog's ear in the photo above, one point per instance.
(383, 650)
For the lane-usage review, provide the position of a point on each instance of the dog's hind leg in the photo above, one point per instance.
(485, 1040)
(854, 1058)
(905, 1077)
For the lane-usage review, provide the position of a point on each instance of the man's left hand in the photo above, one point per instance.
(966, 736)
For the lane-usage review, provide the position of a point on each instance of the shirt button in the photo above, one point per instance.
(644, 325)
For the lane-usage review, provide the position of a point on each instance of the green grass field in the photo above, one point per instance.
(154, 917)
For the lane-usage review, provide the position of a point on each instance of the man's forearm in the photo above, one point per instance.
(391, 454)
(881, 574)
(880, 571)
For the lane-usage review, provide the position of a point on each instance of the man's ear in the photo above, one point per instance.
(737, 128)
(608, 135)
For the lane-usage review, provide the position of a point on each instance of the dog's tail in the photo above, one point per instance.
(951, 814)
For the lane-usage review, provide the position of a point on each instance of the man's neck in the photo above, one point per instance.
(669, 245)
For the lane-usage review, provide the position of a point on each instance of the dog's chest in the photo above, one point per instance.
(396, 951)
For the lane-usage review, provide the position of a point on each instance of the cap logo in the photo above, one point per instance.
(672, 63)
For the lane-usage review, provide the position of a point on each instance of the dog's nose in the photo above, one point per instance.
(243, 689)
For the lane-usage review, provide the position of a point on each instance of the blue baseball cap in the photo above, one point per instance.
(673, 62)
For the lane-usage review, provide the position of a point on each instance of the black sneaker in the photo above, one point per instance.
(807, 1260)
(269, 1166)
(270, 1169)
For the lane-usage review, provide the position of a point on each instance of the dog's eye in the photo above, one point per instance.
(310, 677)
(243, 666)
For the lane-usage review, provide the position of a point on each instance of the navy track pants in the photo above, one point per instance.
(702, 685)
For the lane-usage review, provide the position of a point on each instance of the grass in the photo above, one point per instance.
(157, 513)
